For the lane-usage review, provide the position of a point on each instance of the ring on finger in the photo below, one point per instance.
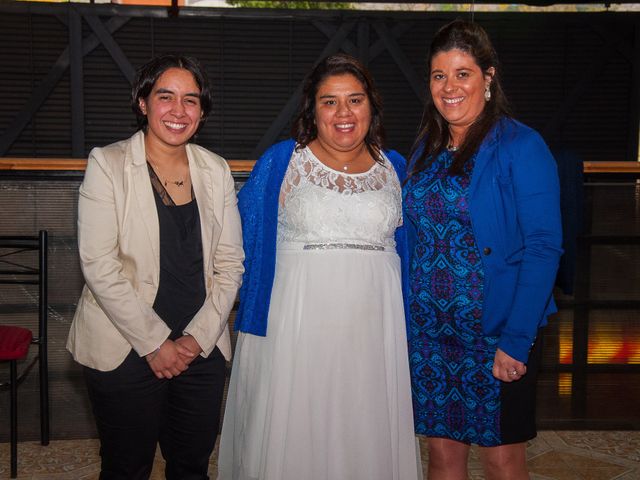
(513, 373)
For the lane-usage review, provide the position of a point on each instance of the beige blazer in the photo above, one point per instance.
(118, 240)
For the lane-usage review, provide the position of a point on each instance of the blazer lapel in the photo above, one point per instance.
(143, 193)
(485, 153)
(205, 187)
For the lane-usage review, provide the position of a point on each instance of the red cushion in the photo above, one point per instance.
(14, 342)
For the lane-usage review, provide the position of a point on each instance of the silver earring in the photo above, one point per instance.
(487, 92)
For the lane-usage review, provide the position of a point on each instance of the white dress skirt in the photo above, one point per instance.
(326, 394)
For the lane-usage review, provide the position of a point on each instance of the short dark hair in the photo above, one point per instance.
(148, 74)
(304, 128)
(434, 134)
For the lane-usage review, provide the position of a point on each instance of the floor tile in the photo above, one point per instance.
(553, 455)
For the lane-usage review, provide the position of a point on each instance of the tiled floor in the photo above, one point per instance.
(553, 455)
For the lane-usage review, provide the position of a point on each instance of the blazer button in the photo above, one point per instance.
(486, 251)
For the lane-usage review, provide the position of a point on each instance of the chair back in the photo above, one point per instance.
(15, 270)
(17, 267)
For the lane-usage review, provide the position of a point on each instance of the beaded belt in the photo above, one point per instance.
(340, 246)
(332, 246)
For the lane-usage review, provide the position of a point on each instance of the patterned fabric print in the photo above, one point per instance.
(454, 392)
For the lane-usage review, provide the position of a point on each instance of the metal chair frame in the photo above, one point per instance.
(15, 273)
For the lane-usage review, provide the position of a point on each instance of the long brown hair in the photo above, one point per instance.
(304, 128)
(434, 135)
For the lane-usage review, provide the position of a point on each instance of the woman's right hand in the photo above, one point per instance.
(166, 361)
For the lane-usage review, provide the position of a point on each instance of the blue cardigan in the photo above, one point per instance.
(258, 205)
(514, 201)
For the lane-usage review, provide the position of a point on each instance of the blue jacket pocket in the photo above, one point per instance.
(515, 256)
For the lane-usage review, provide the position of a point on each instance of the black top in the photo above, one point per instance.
(181, 291)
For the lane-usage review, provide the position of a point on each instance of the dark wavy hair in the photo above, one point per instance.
(148, 74)
(304, 128)
(434, 135)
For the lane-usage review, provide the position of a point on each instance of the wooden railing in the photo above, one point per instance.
(244, 166)
(611, 167)
(79, 164)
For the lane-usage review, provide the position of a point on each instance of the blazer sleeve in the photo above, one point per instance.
(210, 323)
(102, 267)
(258, 205)
(536, 194)
(402, 245)
(251, 207)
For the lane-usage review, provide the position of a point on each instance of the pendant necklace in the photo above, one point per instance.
(345, 165)
(177, 183)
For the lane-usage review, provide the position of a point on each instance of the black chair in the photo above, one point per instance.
(15, 340)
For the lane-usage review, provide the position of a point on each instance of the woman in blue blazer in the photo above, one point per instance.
(483, 221)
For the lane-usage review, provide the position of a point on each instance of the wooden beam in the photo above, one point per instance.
(330, 30)
(366, 53)
(77, 83)
(338, 41)
(397, 31)
(42, 164)
(244, 166)
(611, 167)
(633, 146)
(44, 88)
(16, 164)
(290, 107)
(112, 47)
(401, 59)
(591, 73)
(363, 41)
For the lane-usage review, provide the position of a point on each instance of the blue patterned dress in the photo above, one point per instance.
(454, 392)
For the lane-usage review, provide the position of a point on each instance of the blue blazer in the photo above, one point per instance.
(258, 205)
(514, 201)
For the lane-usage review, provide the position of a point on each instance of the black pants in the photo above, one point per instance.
(134, 411)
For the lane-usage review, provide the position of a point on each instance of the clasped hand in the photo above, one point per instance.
(173, 358)
(507, 368)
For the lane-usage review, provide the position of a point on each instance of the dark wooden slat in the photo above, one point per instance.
(112, 47)
(290, 107)
(77, 83)
(599, 61)
(634, 117)
(330, 30)
(400, 58)
(42, 91)
(363, 42)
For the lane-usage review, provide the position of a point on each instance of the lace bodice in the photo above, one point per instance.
(322, 205)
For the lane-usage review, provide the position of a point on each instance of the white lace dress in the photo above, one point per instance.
(326, 394)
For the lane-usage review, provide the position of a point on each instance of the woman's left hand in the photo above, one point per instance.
(190, 343)
(507, 368)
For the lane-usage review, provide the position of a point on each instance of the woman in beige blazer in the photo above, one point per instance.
(161, 252)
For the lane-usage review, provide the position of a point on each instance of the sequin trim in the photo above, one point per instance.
(337, 246)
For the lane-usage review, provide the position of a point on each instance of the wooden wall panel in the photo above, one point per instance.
(571, 76)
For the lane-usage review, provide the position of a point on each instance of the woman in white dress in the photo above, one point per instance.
(320, 386)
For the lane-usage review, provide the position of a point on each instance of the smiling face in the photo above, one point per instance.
(457, 87)
(172, 108)
(342, 113)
